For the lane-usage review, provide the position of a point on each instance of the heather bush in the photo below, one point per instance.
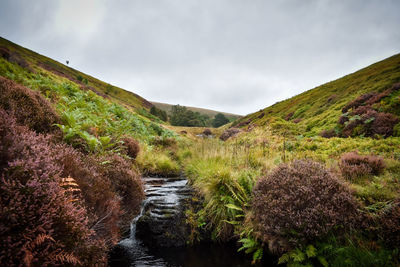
(228, 133)
(298, 203)
(384, 124)
(361, 100)
(289, 116)
(40, 224)
(389, 228)
(343, 119)
(328, 133)
(14, 57)
(100, 197)
(131, 146)
(353, 165)
(366, 121)
(126, 182)
(207, 132)
(377, 97)
(28, 107)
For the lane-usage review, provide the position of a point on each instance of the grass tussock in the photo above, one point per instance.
(157, 161)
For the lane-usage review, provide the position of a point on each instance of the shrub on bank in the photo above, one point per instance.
(28, 107)
(328, 133)
(126, 181)
(98, 192)
(390, 225)
(131, 146)
(228, 133)
(40, 223)
(353, 165)
(297, 203)
(207, 132)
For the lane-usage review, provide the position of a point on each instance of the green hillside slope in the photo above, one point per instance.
(36, 62)
(320, 108)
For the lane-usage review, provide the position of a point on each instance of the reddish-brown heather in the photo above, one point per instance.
(371, 122)
(28, 107)
(384, 124)
(300, 202)
(352, 165)
(228, 133)
(39, 224)
(131, 146)
(98, 193)
(207, 132)
(328, 133)
(361, 100)
(289, 116)
(390, 225)
(125, 181)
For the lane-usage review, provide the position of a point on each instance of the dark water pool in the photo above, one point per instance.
(205, 255)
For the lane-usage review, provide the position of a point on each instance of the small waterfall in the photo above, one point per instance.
(162, 200)
(134, 221)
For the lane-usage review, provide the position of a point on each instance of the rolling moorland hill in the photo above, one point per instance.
(210, 113)
(35, 62)
(319, 109)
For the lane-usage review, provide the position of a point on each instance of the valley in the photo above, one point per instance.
(312, 180)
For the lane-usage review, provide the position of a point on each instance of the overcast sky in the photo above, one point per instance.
(229, 55)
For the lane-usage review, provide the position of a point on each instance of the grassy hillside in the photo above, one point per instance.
(210, 113)
(36, 63)
(319, 109)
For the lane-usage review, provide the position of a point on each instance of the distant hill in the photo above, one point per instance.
(319, 109)
(203, 111)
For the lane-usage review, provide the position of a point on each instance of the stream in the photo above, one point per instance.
(163, 196)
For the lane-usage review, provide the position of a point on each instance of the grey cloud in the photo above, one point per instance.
(236, 56)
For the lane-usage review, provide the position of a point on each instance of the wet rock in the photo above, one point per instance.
(163, 222)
